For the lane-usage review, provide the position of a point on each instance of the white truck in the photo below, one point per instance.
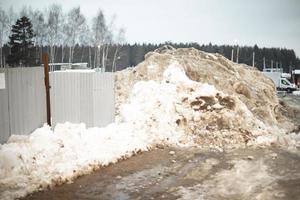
(279, 79)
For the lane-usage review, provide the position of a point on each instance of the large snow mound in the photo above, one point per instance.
(221, 103)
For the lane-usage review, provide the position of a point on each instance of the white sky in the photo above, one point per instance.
(270, 23)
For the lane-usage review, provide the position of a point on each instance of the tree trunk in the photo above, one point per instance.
(51, 54)
(106, 55)
(36, 54)
(82, 53)
(55, 53)
(95, 56)
(90, 58)
(99, 56)
(113, 67)
(70, 55)
(1, 56)
(103, 59)
(41, 54)
(62, 53)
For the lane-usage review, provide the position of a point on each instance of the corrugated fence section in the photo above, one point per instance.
(22, 101)
(82, 97)
(4, 114)
(76, 97)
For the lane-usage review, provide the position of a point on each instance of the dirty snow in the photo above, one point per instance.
(218, 103)
(289, 141)
(296, 92)
(160, 102)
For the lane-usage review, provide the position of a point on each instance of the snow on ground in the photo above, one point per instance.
(150, 117)
(46, 158)
(289, 141)
(296, 92)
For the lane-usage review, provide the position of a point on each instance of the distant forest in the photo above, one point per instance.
(130, 55)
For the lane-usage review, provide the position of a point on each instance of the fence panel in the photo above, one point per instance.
(4, 114)
(104, 99)
(22, 101)
(86, 97)
(64, 97)
(76, 97)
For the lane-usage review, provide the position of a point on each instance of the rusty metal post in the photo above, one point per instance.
(46, 73)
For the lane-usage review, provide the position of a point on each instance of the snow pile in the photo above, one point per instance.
(220, 103)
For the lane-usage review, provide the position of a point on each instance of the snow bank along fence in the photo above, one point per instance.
(76, 97)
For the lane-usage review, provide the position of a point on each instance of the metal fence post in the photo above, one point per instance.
(46, 73)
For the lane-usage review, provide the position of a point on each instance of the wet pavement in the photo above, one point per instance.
(190, 174)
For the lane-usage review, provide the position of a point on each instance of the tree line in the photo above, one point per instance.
(70, 37)
(60, 33)
(268, 57)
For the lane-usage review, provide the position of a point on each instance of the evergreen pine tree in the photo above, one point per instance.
(21, 43)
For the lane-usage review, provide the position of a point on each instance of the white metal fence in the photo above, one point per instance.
(22, 101)
(82, 97)
(76, 97)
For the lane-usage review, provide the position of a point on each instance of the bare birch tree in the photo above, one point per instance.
(54, 25)
(4, 30)
(75, 27)
(119, 40)
(99, 29)
(12, 17)
(39, 25)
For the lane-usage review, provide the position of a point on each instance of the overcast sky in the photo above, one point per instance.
(270, 23)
